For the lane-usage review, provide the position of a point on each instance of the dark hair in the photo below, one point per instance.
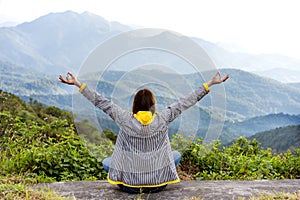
(144, 100)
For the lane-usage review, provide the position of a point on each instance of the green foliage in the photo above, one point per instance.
(41, 142)
(258, 124)
(52, 150)
(280, 139)
(244, 159)
(110, 135)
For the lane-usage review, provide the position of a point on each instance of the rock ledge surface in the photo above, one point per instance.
(184, 190)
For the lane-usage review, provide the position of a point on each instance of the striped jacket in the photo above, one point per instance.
(142, 155)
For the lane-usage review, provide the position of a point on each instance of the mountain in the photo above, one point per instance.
(296, 85)
(61, 41)
(280, 74)
(279, 139)
(251, 101)
(8, 24)
(247, 95)
(252, 95)
(26, 82)
(238, 123)
(33, 54)
(258, 124)
(278, 67)
(54, 42)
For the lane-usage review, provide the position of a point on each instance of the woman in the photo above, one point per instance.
(142, 160)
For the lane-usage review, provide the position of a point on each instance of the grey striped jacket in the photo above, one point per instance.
(142, 155)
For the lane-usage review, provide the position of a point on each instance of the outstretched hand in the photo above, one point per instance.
(70, 79)
(217, 78)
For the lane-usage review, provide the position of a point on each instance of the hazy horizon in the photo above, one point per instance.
(249, 26)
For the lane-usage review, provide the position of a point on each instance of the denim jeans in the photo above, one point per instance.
(132, 190)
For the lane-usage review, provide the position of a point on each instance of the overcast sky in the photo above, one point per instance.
(258, 26)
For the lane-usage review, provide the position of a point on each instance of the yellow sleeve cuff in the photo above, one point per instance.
(83, 85)
(206, 87)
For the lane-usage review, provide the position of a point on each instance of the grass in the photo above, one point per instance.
(21, 191)
(18, 187)
(279, 196)
(264, 196)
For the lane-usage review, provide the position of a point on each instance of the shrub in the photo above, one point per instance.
(50, 150)
(244, 159)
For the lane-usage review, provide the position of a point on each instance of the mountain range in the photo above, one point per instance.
(33, 54)
(253, 103)
(55, 42)
(59, 42)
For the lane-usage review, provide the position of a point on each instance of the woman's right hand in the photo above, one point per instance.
(70, 80)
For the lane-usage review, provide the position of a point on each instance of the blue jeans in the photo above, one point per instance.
(132, 190)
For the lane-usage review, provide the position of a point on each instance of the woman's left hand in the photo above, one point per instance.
(217, 79)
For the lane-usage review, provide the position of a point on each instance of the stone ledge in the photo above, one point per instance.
(184, 190)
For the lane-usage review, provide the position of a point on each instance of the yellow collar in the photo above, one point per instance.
(145, 117)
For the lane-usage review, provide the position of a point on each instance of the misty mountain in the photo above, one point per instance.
(27, 82)
(279, 67)
(243, 103)
(8, 24)
(257, 124)
(296, 85)
(33, 54)
(247, 95)
(280, 74)
(252, 95)
(59, 42)
(55, 42)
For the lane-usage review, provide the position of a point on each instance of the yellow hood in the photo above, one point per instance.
(145, 117)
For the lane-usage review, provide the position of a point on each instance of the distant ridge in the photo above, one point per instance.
(253, 126)
(279, 139)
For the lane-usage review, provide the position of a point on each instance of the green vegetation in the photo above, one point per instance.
(21, 191)
(262, 196)
(280, 139)
(244, 159)
(257, 124)
(276, 195)
(40, 144)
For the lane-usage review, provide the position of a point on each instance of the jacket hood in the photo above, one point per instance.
(144, 117)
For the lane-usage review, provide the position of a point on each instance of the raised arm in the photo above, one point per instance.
(114, 111)
(175, 109)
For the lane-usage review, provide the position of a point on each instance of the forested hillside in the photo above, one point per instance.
(247, 95)
(254, 125)
(280, 139)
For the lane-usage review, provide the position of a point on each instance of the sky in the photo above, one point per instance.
(255, 26)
